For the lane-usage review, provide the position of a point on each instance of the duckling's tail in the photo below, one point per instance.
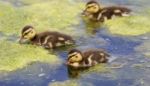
(125, 11)
(112, 58)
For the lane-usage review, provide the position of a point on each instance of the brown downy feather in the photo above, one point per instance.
(109, 12)
(89, 57)
(96, 55)
(52, 39)
(104, 13)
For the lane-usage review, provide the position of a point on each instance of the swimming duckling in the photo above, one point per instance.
(94, 12)
(47, 39)
(88, 58)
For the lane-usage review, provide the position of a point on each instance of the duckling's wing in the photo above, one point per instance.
(109, 12)
(47, 40)
(65, 39)
(93, 57)
(60, 39)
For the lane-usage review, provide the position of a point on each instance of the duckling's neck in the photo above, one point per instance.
(82, 61)
(97, 13)
(35, 39)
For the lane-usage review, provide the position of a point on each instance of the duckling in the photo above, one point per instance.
(47, 39)
(89, 58)
(94, 12)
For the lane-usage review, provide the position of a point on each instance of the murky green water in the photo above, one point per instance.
(127, 43)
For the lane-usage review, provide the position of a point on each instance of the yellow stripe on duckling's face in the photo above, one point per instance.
(92, 8)
(75, 57)
(29, 34)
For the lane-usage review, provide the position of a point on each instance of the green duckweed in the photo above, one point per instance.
(15, 56)
(51, 15)
(132, 26)
(11, 19)
(65, 83)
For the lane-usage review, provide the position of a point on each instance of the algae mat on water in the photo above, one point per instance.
(132, 26)
(50, 15)
(70, 83)
(14, 56)
(11, 19)
(65, 83)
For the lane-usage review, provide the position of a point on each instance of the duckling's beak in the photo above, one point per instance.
(22, 40)
(84, 13)
(67, 63)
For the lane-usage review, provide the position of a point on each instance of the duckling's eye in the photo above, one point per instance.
(88, 7)
(76, 56)
(25, 34)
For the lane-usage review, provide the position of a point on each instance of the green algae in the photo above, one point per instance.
(147, 54)
(15, 56)
(30, 2)
(101, 68)
(65, 83)
(70, 83)
(132, 26)
(50, 15)
(11, 19)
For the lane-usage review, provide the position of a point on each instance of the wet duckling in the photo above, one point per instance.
(94, 12)
(47, 39)
(88, 58)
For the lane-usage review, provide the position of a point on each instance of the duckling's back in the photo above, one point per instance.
(92, 57)
(51, 39)
(111, 11)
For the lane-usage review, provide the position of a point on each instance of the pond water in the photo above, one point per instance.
(125, 51)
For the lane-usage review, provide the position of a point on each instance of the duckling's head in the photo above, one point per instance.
(74, 57)
(92, 7)
(28, 33)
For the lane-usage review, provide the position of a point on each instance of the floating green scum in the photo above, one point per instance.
(14, 56)
(45, 16)
(132, 26)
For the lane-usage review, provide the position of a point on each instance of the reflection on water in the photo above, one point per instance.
(75, 72)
